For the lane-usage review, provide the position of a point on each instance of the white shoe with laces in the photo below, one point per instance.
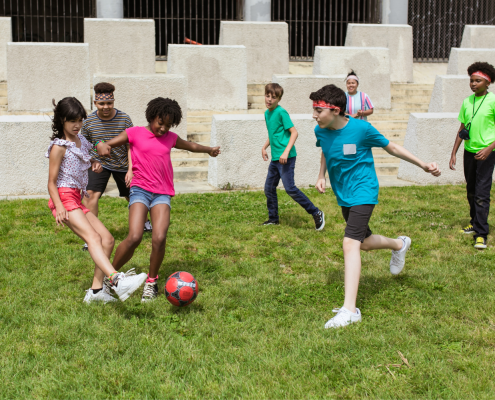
(343, 318)
(126, 283)
(100, 296)
(399, 256)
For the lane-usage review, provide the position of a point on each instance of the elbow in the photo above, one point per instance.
(371, 111)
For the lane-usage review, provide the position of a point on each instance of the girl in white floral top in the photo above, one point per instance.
(67, 180)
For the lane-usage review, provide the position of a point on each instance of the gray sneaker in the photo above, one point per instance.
(399, 256)
(125, 284)
(150, 292)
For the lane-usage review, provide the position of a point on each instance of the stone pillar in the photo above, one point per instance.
(110, 9)
(257, 10)
(394, 11)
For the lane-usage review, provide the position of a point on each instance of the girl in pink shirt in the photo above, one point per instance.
(152, 184)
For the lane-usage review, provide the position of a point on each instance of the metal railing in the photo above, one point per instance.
(438, 25)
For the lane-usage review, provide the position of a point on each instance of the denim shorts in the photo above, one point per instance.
(149, 199)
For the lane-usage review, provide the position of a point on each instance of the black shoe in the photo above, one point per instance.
(319, 218)
(271, 222)
(85, 247)
(148, 227)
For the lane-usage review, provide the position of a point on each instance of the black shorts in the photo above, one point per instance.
(98, 182)
(357, 218)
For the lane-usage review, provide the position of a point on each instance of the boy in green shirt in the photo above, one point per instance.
(281, 138)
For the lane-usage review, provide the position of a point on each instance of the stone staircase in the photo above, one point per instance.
(3, 97)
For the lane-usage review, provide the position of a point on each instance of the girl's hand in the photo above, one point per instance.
(320, 185)
(483, 154)
(214, 151)
(432, 168)
(96, 167)
(359, 113)
(62, 215)
(103, 149)
(264, 154)
(128, 178)
(452, 162)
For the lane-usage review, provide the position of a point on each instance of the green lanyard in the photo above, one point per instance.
(474, 113)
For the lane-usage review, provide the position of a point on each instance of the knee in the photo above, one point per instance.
(292, 191)
(350, 244)
(158, 241)
(134, 239)
(94, 239)
(365, 246)
(108, 241)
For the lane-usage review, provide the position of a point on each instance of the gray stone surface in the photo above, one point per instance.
(397, 38)
(431, 136)
(297, 89)
(257, 10)
(461, 59)
(370, 63)
(241, 138)
(120, 46)
(478, 37)
(448, 93)
(216, 75)
(5, 37)
(267, 45)
(23, 166)
(40, 72)
(134, 92)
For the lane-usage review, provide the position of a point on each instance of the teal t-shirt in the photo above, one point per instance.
(278, 123)
(350, 163)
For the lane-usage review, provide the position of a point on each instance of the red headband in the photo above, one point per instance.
(323, 104)
(104, 97)
(483, 75)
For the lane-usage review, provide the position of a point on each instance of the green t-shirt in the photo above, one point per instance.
(482, 132)
(278, 123)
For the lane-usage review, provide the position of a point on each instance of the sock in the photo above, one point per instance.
(151, 280)
(95, 291)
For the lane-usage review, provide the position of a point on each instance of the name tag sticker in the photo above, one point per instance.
(349, 149)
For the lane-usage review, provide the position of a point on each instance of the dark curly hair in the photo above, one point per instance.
(483, 67)
(162, 108)
(67, 109)
(104, 87)
(331, 94)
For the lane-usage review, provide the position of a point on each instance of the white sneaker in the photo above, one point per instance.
(100, 296)
(125, 284)
(148, 227)
(343, 318)
(399, 256)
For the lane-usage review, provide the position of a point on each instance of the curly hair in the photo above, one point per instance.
(67, 109)
(162, 108)
(331, 94)
(484, 67)
(104, 87)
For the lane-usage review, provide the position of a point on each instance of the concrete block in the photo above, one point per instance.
(448, 93)
(478, 37)
(40, 72)
(134, 92)
(397, 38)
(23, 165)
(241, 138)
(461, 59)
(216, 75)
(372, 65)
(5, 37)
(430, 136)
(120, 46)
(267, 45)
(297, 89)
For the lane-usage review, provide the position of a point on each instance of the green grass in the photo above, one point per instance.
(256, 328)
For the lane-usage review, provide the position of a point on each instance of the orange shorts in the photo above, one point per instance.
(71, 200)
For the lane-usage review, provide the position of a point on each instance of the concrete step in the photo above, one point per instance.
(411, 92)
(198, 119)
(393, 135)
(190, 162)
(389, 125)
(256, 99)
(188, 174)
(197, 128)
(186, 154)
(199, 137)
(212, 112)
(387, 169)
(385, 159)
(3, 85)
(410, 106)
(415, 86)
(3, 101)
(257, 106)
(3, 92)
(255, 89)
(411, 99)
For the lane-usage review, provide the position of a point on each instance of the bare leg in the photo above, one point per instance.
(92, 201)
(125, 250)
(376, 242)
(160, 216)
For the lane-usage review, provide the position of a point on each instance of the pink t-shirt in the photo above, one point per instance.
(151, 163)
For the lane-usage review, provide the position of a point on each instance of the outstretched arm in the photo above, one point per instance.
(196, 148)
(104, 149)
(398, 151)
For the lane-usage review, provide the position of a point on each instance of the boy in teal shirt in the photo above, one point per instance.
(281, 138)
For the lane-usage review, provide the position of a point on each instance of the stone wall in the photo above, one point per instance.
(478, 36)
(5, 37)
(40, 72)
(461, 59)
(448, 93)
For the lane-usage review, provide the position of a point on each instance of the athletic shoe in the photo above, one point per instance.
(150, 291)
(399, 256)
(125, 284)
(85, 247)
(467, 230)
(148, 227)
(319, 218)
(343, 318)
(107, 285)
(480, 243)
(271, 222)
(100, 296)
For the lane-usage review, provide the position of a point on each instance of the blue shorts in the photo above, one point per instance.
(138, 195)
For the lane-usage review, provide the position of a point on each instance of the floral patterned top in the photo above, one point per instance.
(73, 171)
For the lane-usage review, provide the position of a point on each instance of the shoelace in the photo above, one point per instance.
(395, 253)
(149, 290)
(107, 285)
(123, 275)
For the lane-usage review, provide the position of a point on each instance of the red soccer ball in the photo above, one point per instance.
(181, 289)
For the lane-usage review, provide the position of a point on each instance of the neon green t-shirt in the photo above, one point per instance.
(278, 123)
(482, 132)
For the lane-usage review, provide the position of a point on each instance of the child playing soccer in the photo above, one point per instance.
(346, 145)
(68, 177)
(152, 186)
(477, 118)
(281, 138)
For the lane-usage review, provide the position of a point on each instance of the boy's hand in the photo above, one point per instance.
(264, 154)
(432, 168)
(283, 158)
(214, 151)
(62, 215)
(128, 178)
(320, 185)
(483, 154)
(452, 162)
(96, 167)
(103, 149)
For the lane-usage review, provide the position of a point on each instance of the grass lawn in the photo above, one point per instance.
(256, 328)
